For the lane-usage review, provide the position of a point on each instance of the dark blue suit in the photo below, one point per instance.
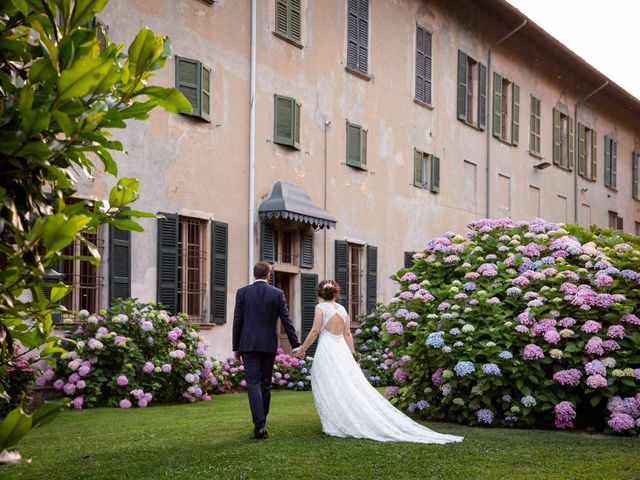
(255, 336)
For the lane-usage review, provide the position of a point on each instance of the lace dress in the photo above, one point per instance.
(348, 405)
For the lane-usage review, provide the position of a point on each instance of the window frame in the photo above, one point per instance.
(183, 291)
(360, 296)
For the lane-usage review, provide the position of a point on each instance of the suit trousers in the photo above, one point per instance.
(258, 369)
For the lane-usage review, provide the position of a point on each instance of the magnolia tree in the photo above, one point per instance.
(523, 324)
(61, 91)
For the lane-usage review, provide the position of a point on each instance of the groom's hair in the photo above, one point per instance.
(261, 270)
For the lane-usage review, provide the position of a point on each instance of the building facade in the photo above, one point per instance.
(377, 125)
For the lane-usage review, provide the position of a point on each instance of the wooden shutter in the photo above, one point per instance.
(418, 173)
(295, 20)
(205, 94)
(635, 171)
(557, 155)
(372, 278)
(119, 264)
(435, 174)
(614, 163)
(352, 34)
(363, 35)
(283, 123)
(607, 161)
(363, 147)
(428, 67)
(267, 243)
(296, 125)
(342, 271)
(167, 267)
(570, 142)
(594, 155)
(353, 145)
(420, 74)
(408, 259)
(497, 105)
(282, 17)
(620, 224)
(482, 96)
(309, 283)
(306, 250)
(462, 86)
(515, 114)
(188, 81)
(219, 268)
(582, 150)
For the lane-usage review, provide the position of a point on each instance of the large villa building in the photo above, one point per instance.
(335, 137)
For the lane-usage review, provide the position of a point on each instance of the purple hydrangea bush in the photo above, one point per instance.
(520, 324)
(375, 356)
(131, 355)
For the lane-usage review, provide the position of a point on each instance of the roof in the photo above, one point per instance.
(291, 202)
(534, 34)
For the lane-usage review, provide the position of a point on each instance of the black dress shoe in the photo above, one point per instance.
(260, 434)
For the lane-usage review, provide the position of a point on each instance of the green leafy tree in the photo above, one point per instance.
(63, 87)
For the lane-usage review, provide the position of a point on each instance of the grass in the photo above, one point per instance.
(211, 440)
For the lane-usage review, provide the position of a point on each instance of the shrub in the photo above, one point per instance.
(376, 357)
(528, 324)
(20, 379)
(131, 355)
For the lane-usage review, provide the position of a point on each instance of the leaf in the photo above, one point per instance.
(141, 51)
(15, 426)
(125, 192)
(168, 98)
(60, 231)
(84, 76)
(59, 292)
(47, 412)
(63, 122)
(21, 5)
(84, 11)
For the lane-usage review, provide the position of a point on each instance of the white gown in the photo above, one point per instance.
(348, 405)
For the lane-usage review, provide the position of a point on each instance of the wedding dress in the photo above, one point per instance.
(348, 405)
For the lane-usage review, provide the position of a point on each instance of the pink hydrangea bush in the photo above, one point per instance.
(530, 323)
(132, 355)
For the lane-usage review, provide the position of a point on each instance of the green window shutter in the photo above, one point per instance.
(352, 34)
(556, 137)
(282, 17)
(295, 20)
(308, 297)
(420, 33)
(418, 174)
(435, 174)
(497, 105)
(614, 163)
(634, 175)
(205, 94)
(267, 243)
(188, 78)
(167, 267)
(363, 147)
(582, 150)
(482, 96)
(570, 142)
(284, 120)
(363, 36)
(428, 67)
(342, 271)
(306, 250)
(296, 125)
(354, 149)
(219, 267)
(515, 114)
(607, 161)
(619, 224)
(462, 86)
(119, 264)
(408, 259)
(372, 278)
(594, 155)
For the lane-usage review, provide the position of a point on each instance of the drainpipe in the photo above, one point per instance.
(575, 149)
(252, 141)
(326, 127)
(490, 113)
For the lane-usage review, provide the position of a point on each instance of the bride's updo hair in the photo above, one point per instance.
(328, 289)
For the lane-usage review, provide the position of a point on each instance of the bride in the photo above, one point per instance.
(348, 405)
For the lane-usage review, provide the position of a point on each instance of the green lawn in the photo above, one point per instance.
(212, 440)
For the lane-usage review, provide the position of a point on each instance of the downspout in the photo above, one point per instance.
(252, 141)
(326, 127)
(575, 149)
(490, 113)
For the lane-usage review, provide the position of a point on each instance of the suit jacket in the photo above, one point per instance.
(255, 319)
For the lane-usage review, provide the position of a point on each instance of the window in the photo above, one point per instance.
(615, 221)
(192, 255)
(587, 149)
(472, 77)
(610, 162)
(286, 243)
(534, 126)
(506, 110)
(82, 276)
(562, 140)
(358, 36)
(426, 171)
(288, 20)
(635, 175)
(423, 65)
(356, 146)
(637, 226)
(286, 124)
(356, 276)
(194, 81)
(208, 2)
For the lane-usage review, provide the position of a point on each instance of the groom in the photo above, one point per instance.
(255, 339)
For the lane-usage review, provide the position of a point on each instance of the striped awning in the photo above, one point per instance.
(291, 202)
